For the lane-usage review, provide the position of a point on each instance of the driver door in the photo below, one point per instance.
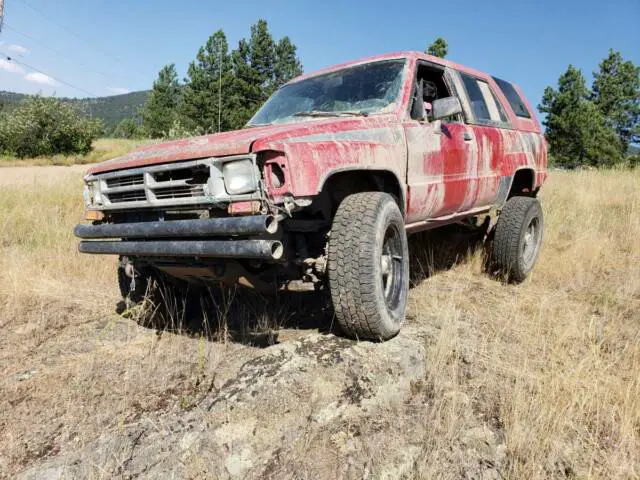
(439, 153)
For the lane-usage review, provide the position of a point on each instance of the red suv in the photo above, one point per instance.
(322, 187)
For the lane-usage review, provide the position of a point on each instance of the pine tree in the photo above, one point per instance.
(204, 98)
(576, 131)
(245, 93)
(245, 78)
(262, 52)
(438, 48)
(159, 113)
(287, 64)
(616, 93)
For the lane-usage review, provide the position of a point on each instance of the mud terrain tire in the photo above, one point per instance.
(369, 266)
(517, 239)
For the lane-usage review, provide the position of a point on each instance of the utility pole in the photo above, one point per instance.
(1, 14)
(219, 91)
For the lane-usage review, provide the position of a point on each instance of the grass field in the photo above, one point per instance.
(552, 365)
(103, 149)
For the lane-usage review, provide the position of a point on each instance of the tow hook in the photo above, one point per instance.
(129, 271)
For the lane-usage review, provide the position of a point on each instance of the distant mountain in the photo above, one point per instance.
(111, 110)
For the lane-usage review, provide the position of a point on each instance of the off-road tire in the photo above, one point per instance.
(509, 244)
(361, 229)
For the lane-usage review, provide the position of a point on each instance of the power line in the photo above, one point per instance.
(11, 59)
(72, 33)
(57, 52)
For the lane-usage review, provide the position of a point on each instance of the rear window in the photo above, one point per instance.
(513, 98)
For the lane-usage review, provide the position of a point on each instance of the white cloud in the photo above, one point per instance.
(41, 78)
(10, 67)
(118, 90)
(14, 48)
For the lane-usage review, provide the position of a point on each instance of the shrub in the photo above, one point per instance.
(128, 129)
(46, 126)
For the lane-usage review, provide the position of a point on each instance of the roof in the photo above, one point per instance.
(409, 54)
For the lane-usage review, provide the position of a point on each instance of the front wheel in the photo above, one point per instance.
(369, 266)
(517, 239)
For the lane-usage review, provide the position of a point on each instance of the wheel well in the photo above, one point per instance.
(341, 184)
(522, 184)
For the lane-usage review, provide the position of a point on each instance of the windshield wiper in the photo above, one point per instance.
(320, 113)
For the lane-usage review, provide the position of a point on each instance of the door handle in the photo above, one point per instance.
(467, 137)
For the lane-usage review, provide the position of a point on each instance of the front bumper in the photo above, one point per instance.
(176, 238)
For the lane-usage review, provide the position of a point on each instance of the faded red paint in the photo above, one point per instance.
(444, 169)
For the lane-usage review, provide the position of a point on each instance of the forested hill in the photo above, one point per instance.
(111, 110)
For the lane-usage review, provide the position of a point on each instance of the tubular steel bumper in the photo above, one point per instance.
(166, 238)
(254, 225)
(258, 249)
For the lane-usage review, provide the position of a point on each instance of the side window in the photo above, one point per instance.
(485, 106)
(513, 98)
(479, 104)
(503, 115)
(434, 86)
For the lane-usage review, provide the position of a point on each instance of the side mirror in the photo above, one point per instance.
(445, 107)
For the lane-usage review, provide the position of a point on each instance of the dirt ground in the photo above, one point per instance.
(486, 380)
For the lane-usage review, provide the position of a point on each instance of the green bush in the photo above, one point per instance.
(127, 129)
(46, 126)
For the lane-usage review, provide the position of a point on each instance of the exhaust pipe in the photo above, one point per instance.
(253, 225)
(250, 249)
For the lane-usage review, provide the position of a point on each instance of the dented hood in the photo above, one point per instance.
(218, 145)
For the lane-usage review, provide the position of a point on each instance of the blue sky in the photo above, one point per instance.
(111, 46)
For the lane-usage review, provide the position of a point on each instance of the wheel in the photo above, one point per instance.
(132, 290)
(517, 238)
(368, 266)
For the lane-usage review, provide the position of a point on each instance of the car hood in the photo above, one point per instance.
(223, 144)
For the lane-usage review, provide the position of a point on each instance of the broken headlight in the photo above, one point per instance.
(91, 194)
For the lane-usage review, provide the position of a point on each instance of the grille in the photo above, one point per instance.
(172, 184)
(179, 192)
(127, 181)
(124, 197)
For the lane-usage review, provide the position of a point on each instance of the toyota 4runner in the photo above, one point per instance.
(324, 184)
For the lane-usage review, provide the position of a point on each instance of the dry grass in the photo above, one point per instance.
(551, 368)
(103, 149)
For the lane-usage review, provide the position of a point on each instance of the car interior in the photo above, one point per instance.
(430, 85)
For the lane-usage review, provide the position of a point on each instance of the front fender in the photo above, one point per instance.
(310, 160)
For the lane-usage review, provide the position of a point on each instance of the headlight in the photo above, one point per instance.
(239, 177)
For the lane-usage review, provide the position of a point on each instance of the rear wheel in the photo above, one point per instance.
(369, 266)
(517, 239)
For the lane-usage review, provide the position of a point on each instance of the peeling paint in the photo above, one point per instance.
(443, 168)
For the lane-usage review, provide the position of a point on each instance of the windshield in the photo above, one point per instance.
(361, 90)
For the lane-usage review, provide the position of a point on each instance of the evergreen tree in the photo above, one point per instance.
(262, 52)
(616, 93)
(246, 94)
(205, 98)
(287, 64)
(245, 78)
(575, 129)
(438, 48)
(160, 111)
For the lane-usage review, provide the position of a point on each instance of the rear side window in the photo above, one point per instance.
(485, 106)
(519, 108)
(478, 104)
